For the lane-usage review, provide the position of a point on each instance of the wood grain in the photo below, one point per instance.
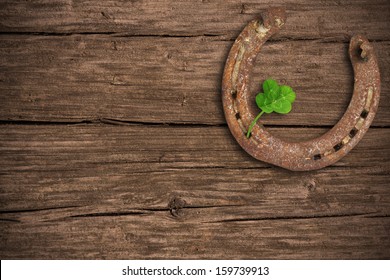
(168, 80)
(337, 20)
(113, 143)
(158, 236)
(86, 186)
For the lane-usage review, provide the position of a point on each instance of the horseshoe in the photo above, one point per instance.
(298, 156)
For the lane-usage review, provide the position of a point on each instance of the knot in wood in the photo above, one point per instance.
(175, 205)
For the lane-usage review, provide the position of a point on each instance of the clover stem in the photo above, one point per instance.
(248, 134)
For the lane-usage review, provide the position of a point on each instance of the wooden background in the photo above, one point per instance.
(113, 143)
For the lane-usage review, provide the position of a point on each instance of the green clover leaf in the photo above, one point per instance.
(275, 98)
(270, 85)
(287, 93)
(264, 103)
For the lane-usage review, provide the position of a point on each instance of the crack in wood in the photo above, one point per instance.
(10, 220)
(54, 34)
(219, 37)
(193, 207)
(36, 210)
(379, 216)
(293, 217)
(31, 122)
(175, 124)
(111, 33)
(111, 121)
(108, 214)
(173, 209)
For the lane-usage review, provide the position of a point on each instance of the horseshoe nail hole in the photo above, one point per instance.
(364, 114)
(353, 132)
(362, 54)
(238, 116)
(317, 157)
(234, 94)
(338, 147)
(359, 52)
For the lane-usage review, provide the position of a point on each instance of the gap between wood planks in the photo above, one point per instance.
(110, 121)
(173, 210)
(218, 37)
(115, 34)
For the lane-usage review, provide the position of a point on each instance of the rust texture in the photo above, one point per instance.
(307, 155)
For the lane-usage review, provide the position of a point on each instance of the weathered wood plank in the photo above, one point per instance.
(168, 80)
(155, 147)
(142, 166)
(89, 191)
(158, 236)
(306, 19)
(208, 195)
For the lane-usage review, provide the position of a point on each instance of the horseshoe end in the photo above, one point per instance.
(274, 17)
(360, 48)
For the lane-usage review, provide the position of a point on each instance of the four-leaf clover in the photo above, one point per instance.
(274, 98)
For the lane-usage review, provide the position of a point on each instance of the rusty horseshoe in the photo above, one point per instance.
(307, 155)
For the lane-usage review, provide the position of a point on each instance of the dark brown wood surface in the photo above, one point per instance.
(113, 143)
